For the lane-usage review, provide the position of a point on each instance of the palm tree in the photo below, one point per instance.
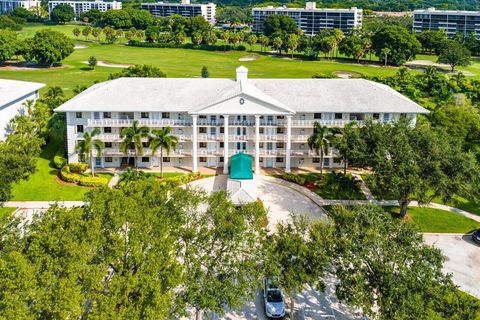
(162, 139)
(132, 139)
(319, 141)
(88, 144)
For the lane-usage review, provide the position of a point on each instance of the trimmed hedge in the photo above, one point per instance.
(59, 160)
(78, 167)
(68, 175)
(207, 47)
(295, 178)
(181, 180)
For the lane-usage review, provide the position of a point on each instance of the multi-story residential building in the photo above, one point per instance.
(9, 5)
(270, 119)
(310, 20)
(185, 8)
(452, 22)
(13, 95)
(82, 6)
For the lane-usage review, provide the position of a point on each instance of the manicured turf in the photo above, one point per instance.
(45, 184)
(441, 221)
(6, 211)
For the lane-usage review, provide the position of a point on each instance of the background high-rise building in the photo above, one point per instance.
(185, 8)
(82, 6)
(9, 5)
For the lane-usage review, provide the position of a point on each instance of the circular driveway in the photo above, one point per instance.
(279, 199)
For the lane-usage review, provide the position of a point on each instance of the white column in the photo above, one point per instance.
(289, 143)
(257, 144)
(195, 144)
(225, 144)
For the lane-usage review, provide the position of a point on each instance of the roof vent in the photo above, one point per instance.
(242, 73)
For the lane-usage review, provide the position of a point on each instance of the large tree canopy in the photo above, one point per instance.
(403, 45)
(62, 13)
(9, 44)
(48, 47)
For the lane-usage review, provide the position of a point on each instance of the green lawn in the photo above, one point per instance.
(6, 211)
(45, 184)
(462, 203)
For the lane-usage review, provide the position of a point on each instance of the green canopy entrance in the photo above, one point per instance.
(241, 166)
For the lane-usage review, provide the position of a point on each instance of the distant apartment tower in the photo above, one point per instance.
(82, 6)
(310, 20)
(452, 22)
(9, 5)
(185, 8)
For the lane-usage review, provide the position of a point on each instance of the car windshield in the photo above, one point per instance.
(274, 296)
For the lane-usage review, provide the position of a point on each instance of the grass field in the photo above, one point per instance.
(6, 211)
(45, 184)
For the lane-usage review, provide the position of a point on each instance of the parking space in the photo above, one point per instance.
(462, 259)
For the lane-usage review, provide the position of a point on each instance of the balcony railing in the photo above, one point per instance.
(146, 152)
(142, 122)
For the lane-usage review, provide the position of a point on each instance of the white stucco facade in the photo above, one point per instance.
(270, 119)
(13, 95)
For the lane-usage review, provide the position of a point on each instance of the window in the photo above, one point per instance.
(301, 161)
(222, 144)
(221, 159)
(202, 117)
(79, 128)
(279, 159)
(376, 116)
(280, 130)
(337, 160)
(144, 115)
(262, 130)
(213, 131)
(202, 159)
(107, 130)
(222, 129)
(280, 117)
(98, 161)
(326, 162)
(280, 145)
(166, 159)
(165, 115)
(145, 144)
(316, 160)
(260, 145)
(386, 117)
(145, 159)
(338, 116)
(317, 116)
(202, 129)
(108, 145)
(108, 159)
(107, 115)
(96, 115)
(202, 145)
(78, 115)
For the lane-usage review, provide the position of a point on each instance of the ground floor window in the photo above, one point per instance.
(279, 159)
(98, 161)
(326, 162)
(316, 160)
(108, 159)
(221, 159)
(108, 144)
(202, 159)
(166, 159)
(202, 145)
(145, 159)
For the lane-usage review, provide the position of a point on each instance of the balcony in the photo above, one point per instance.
(329, 123)
(299, 138)
(142, 122)
(146, 153)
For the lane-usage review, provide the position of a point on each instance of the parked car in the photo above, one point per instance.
(274, 300)
(476, 236)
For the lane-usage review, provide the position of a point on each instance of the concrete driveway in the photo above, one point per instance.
(462, 259)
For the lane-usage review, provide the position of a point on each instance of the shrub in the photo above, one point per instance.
(59, 160)
(67, 175)
(295, 178)
(78, 167)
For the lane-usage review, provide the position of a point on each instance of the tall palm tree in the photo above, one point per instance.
(163, 140)
(88, 145)
(319, 141)
(132, 139)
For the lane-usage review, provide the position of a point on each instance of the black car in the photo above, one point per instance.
(476, 236)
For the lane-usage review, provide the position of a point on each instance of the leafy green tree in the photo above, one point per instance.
(264, 41)
(416, 162)
(76, 32)
(110, 34)
(432, 40)
(92, 16)
(92, 62)
(96, 32)
(139, 71)
(162, 139)
(230, 14)
(7, 23)
(222, 246)
(9, 44)
(252, 40)
(86, 32)
(141, 19)
(319, 141)
(62, 13)
(347, 142)
(197, 24)
(297, 255)
(48, 47)
(454, 54)
(292, 42)
(205, 73)
(132, 139)
(197, 38)
(119, 19)
(88, 145)
(21, 12)
(355, 45)
(403, 45)
(210, 38)
(279, 24)
(277, 44)
(384, 267)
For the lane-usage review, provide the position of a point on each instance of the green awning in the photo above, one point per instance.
(241, 166)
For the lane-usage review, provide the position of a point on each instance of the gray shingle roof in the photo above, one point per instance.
(11, 90)
(189, 94)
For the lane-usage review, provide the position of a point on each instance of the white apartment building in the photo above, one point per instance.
(185, 9)
(8, 5)
(13, 95)
(452, 22)
(270, 119)
(311, 19)
(82, 6)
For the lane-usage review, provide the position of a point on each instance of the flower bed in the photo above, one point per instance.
(74, 173)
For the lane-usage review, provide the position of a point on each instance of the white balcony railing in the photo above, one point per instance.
(142, 122)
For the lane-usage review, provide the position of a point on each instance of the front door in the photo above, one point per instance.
(269, 163)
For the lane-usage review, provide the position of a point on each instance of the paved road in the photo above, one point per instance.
(462, 259)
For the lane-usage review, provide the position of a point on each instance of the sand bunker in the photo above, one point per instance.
(347, 74)
(110, 65)
(80, 46)
(248, 58)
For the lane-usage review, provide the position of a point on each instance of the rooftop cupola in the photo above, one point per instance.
(242, 73)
